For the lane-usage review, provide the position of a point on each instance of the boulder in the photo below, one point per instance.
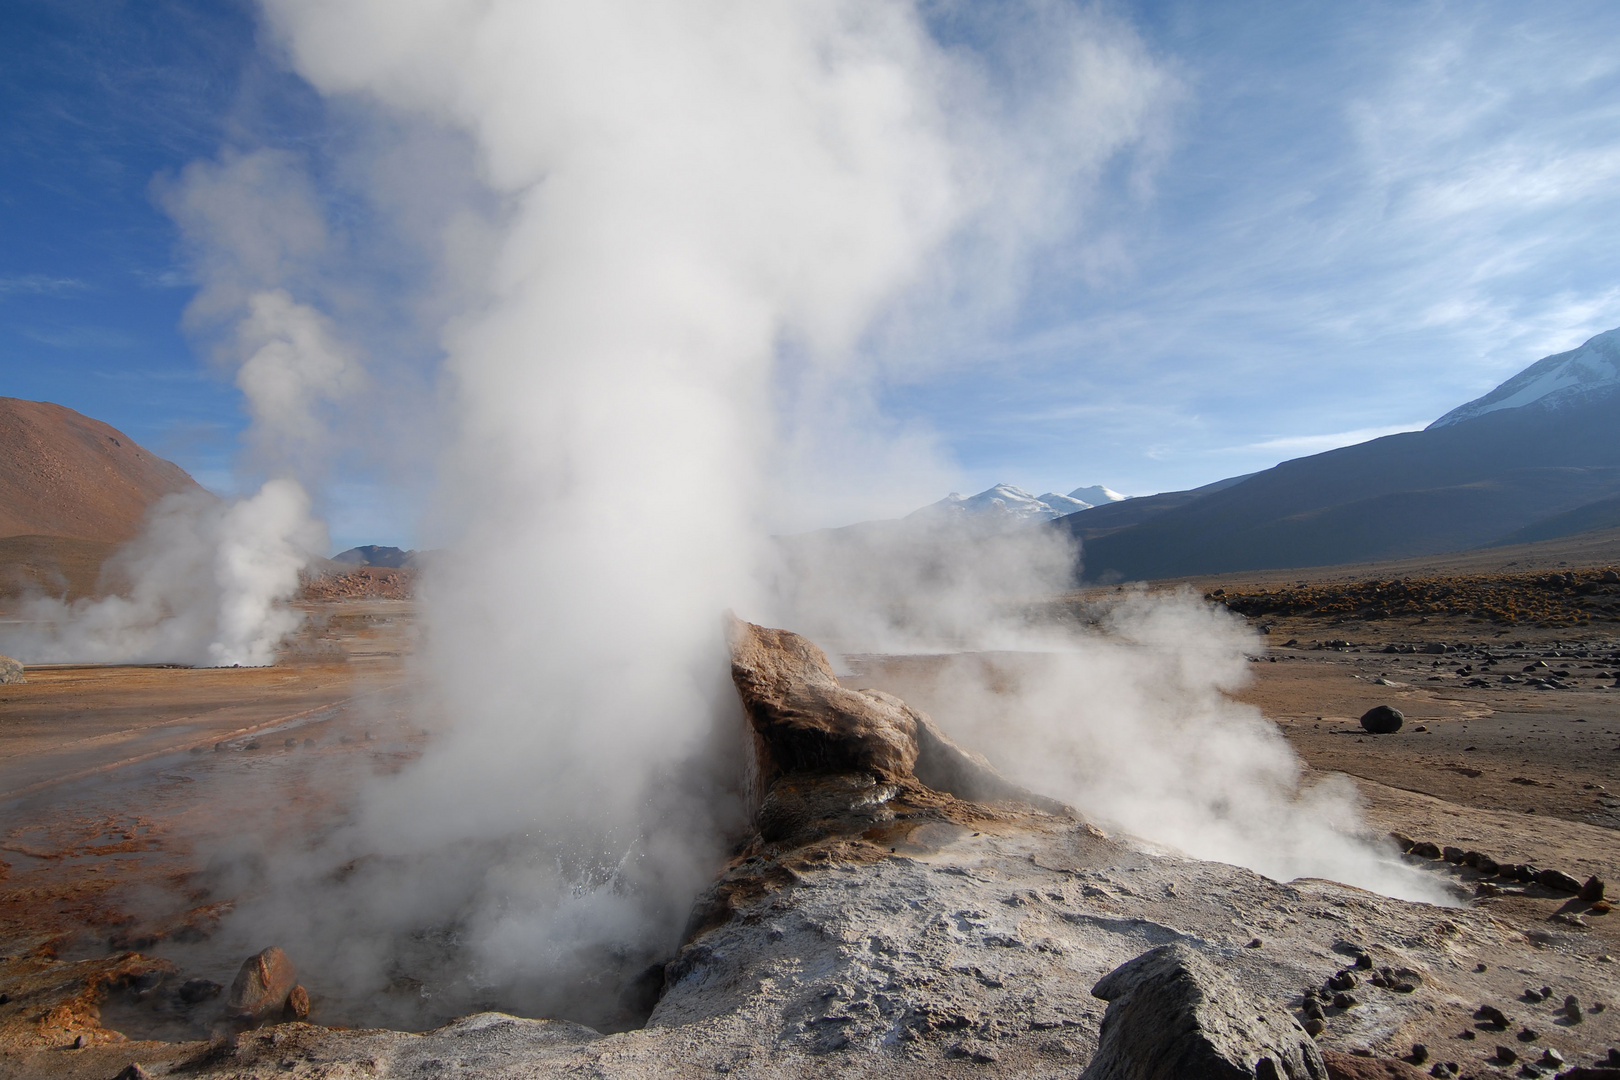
(262, 986)
(1558, 881)
(1172, 1015)
(1382, 720)
(806, 724)
(11, 671)
(1591, 890)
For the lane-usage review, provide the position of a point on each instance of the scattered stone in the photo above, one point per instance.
(1453, 854)
(1343, 1000)
(1492, 1015)
(1551, 1058)
(1402, 841)
(1506, 1055)
(1382, 720)
(1528, 1034)
(1591, 891)
(1485, 888)
(1171, 1013)
(1254, 943)
(1315, 1026)
(1419, 1054)
(1426, 850)
(133, 1071)
(79, 1042)
(1572, 1009)
(262, 986)
(1558, 881)
(1445, 1069)
(297, 1007)
(11, 671)
(1532, 994)
(1313, 1010)
(1344, 980)
(1364, 961)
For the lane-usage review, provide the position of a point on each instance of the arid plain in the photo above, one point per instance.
(127, 789)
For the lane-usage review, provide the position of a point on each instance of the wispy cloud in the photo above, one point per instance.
(1316, 444)
(40, 285)
(81, 337)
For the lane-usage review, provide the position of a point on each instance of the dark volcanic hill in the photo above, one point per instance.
(65, 475)
(1465, 484)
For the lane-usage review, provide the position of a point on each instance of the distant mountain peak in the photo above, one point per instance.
(1096, 495)
(1014, 505)
(1552, 381)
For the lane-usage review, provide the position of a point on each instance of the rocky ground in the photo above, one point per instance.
(883, 925)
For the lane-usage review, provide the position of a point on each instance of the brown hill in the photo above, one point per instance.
(64, 474)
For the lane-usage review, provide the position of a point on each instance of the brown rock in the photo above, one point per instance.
(805, 723)
(297, 1004)
(11, 671)
(1342, 1066)
(262, 986)
(1591, 890)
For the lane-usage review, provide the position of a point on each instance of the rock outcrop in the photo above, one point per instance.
(1172, 1015)
(11, 671)
(806, 724)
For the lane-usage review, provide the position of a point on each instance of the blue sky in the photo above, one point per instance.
(1346, 220)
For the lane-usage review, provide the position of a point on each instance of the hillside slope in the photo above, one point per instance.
(1449, 488)
(64, 474)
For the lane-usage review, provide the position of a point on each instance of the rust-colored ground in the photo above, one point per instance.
(117, 792)
(120, 782)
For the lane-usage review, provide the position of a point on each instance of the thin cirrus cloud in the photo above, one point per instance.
(1316, 444)
(1366, 214)
(40, 285)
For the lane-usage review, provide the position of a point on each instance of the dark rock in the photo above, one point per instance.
(1172, 1014)
(1558, 881)
(1343, 980)
(1445, 1069)
(1492, 1015)
(1382, 720)
(262, 986)
(1315, 1026)
(1364, 961)
(1528, 1034)
(1419, 1054)
(1487, 866)
(1402, 841)
(194, 990)
(1591, 890)
(1344, 1000)
(133, 1071)
(1426, 850)
(1452, 854)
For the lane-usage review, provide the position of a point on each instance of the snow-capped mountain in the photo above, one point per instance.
(1015, 505)
(1551, 382)
(1096, 495)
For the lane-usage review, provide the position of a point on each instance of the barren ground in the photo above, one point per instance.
(117, 781)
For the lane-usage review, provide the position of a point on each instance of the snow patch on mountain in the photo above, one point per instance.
(1552, 381)
(1014, 505)
(1096, 495)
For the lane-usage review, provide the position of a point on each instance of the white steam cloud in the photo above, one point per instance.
(700, 233)
(206, 581)
(1119, 705)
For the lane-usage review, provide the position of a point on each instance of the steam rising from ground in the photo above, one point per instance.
(694, 224)
(206, 584)
(1117, 704)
